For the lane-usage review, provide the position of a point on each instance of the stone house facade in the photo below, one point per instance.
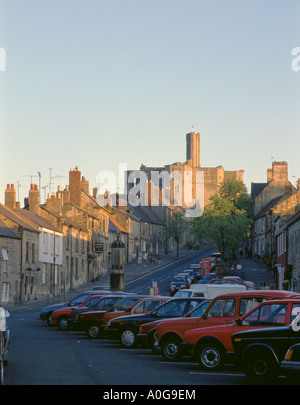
(276, 226)
(288, 252)
(18, 278)
(293, 252)
(276, 197)
(10, 258)
(58, 246)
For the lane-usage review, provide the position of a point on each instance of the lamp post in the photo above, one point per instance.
(117, 275)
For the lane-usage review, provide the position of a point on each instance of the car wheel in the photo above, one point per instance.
(152, 346)
(48, 320)
(93, 330)
(63, 323)
(170, 348)
(210, 356)
(128, 337)
(260, 367)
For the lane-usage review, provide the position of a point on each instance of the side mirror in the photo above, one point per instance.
(238, 321)
(296, 323)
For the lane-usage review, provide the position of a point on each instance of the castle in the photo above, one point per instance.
(195, 182)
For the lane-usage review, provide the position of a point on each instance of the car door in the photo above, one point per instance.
(222, 311)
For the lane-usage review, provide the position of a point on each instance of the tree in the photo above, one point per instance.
(175, 225)
(226, 220)
(235, 191)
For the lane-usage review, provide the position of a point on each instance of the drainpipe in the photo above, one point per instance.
(21, 267)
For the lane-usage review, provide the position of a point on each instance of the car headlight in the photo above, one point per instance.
(289, 355)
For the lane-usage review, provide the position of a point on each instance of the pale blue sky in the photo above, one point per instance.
(94, 83)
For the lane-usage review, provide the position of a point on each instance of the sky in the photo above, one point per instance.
(99, 83)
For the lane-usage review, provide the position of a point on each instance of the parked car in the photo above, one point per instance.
(47, 311)
(143, 306)
(147, 332)
(212, 346)
(232, 280)
(222, 309)
(104, 303)
(207, 278)
(62, 317)
(91, 321)
(178, 282)
(290, 365)
(126, 328)
(191, 275)
(263, 353)
(4, 341)
(187, 292)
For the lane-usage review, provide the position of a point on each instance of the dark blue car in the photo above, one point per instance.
(47, 311)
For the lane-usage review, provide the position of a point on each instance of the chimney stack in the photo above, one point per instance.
(10, 196)
(34, 199)
(75, 186)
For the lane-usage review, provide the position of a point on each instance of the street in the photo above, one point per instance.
(43, 355)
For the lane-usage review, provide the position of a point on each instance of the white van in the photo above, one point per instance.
(213, 290)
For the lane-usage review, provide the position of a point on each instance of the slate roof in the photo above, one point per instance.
(15, 218)
(271, 204)
(115, 227)
(145, 214)
(257, 188)
(7, 232)
(38, 220)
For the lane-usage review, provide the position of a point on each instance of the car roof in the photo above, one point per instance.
(267, 293)
(281, 300)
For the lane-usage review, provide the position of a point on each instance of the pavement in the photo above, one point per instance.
(253, 271)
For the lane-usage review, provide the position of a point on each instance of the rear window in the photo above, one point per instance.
(247, 304)
(222, 308)
(267, 315)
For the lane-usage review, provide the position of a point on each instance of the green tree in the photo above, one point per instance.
(175, 226)
(226, 220)
(236, 192)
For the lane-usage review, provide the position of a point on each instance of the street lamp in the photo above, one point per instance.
(117, 275)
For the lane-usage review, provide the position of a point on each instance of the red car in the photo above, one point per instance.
(212, 346)
(222, 310)
(60, 317)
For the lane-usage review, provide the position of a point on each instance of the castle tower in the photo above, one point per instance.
(193, 149)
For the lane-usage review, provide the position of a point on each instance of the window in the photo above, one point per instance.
(91, 302)
(76, 268)
(5, 292)
(32, 253)
(247, 304)
(107, 303)
(146, 306)
(44, 273)
(267, 315)
(4, 260)
(295, 311)
(4, 266)
(222, 308)
(27, 252)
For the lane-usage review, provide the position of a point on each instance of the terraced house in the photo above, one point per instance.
(275, 230)
(47, 249)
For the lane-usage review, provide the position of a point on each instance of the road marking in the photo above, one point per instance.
(218, 374)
